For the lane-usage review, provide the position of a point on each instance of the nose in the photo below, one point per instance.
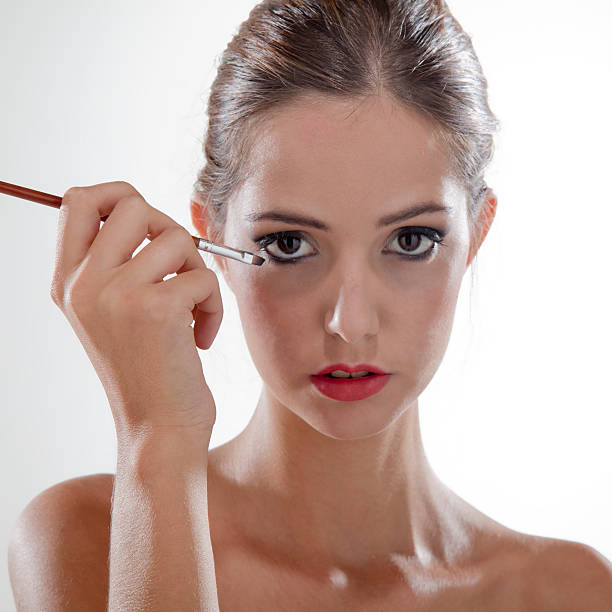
(354, 311)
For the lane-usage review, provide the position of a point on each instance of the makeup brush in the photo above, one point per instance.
(201, 243)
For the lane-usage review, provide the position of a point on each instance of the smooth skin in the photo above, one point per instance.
(327, 505)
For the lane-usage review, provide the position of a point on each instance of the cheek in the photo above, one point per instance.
(427, 325)
(273, 312)
(415, 305)
(430, 316)
(271, 298)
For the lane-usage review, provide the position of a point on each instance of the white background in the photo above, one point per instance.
(517, 419)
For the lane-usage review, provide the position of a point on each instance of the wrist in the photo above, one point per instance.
(157, 450)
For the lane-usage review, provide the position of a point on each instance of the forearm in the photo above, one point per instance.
(161, 554)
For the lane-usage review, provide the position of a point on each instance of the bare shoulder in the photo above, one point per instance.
(60, 543)
(568, 576)
(531, 573)
(548, 574)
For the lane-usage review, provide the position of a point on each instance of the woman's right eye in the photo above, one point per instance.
(288, 243)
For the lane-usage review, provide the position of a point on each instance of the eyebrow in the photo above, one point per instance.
(280, 215)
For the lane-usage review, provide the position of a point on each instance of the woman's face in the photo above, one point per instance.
(353, 294)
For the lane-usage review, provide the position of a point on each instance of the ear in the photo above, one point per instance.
(199, 218)
(202, 224)
(485, 220)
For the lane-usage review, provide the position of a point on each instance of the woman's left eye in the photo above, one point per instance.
(410, 240)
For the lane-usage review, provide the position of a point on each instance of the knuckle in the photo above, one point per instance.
(133, 206)
(128, 187)
(73, 193)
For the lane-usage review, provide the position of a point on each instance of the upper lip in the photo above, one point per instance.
(360, 367)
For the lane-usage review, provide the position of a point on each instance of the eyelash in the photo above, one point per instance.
(437, 237)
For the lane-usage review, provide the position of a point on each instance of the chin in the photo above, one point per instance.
(349, 420)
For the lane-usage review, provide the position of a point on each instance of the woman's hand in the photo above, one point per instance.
(136, 327)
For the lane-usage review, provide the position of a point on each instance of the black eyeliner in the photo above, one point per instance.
(431, 233)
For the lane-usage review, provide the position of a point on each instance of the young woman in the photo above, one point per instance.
(347, 145)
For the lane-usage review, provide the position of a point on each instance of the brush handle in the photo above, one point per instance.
(35, 196)
(30, 194)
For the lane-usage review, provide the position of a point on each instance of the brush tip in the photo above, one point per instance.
(257, 260)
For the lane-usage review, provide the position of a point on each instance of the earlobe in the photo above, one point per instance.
(485, 221)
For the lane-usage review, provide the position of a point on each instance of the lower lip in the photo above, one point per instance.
(350, 389)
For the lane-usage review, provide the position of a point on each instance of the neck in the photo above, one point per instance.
(342, 502)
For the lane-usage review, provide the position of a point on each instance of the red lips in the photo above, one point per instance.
(350, 389)
(347, 368)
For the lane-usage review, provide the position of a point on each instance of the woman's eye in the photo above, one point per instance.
(418, 243)
(288, 247)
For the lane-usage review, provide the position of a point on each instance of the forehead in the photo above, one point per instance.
(320, 152)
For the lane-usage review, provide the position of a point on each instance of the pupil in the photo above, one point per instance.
(285, 239)
(410, 237)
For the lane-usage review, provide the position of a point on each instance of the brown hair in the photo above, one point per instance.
(414, 49)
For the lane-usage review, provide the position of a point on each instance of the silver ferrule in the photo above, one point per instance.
(219, 249)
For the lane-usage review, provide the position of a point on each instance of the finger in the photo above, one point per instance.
(79, 221)
(172, 251)
(198, 291)
(130, 222)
